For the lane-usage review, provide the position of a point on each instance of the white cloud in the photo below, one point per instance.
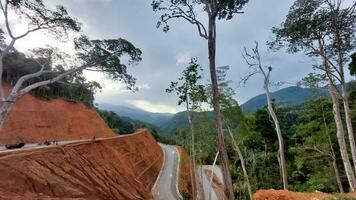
(154, 107)
(183, 58)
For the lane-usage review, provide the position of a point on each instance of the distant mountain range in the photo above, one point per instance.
(156, 119)
(286, 96)
(167, 122)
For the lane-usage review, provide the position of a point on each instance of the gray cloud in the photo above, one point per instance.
(134, 20)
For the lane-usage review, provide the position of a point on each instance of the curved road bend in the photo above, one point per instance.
(166, 185)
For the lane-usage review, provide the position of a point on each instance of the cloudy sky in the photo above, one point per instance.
(164, 53)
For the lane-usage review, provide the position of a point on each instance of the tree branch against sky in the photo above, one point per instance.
(101, 55)
(253, 60)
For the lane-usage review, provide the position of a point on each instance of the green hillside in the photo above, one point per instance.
(286, 97)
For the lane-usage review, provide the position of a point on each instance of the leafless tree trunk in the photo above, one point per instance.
(242, 161)
(224, 160)
(282, 159)
(337, 176)
(259, 68)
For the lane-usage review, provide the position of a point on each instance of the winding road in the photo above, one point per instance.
(166, 187)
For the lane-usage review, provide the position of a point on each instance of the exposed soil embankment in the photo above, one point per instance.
(288, 195)
(185, 172)
(32, 120)
(117, 168)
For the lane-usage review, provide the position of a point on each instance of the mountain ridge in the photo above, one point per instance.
(157, 119)
(168, 122)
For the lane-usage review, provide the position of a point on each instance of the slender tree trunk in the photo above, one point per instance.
(192, 146)
(334, 94)
(242, 161)
(224, 160)
(348, 117)
(345, 95)
(282, 159)
(333, 156)
(341, 136)
(337, 175)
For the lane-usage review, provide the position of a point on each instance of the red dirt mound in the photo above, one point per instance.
(32, 120)
(118, 168)
(288, 195)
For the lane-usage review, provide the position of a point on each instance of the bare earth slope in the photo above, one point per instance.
(289, 195)
(117, 168)
(32, 120)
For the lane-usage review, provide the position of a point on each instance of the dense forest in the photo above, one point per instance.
(311, 149)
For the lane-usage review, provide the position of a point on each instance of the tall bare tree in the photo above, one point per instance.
(218, 9)
(94, 55)
(254, 62)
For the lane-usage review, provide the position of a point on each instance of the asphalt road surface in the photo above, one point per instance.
(38, 146)
(166, 185)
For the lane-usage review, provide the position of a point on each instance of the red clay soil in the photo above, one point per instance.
(117, 168)
(32, 120)
(288, 195)
(185, 179)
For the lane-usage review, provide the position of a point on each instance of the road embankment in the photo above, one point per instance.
(116, 168)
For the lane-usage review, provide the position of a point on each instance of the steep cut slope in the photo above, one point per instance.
(117, 168)
(32, 120)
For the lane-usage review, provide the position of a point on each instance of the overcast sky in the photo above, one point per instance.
(164, 53)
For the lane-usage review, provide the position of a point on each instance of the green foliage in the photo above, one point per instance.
(72, 88)
(286, 97)
(187, 87)
(56, 22)
(311, 24)
(303, 25)
(185, 195)
(352, 65)
(105, 56)
(186, 10)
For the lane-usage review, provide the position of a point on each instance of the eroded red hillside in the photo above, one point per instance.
(118, 168)
(32, 120)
